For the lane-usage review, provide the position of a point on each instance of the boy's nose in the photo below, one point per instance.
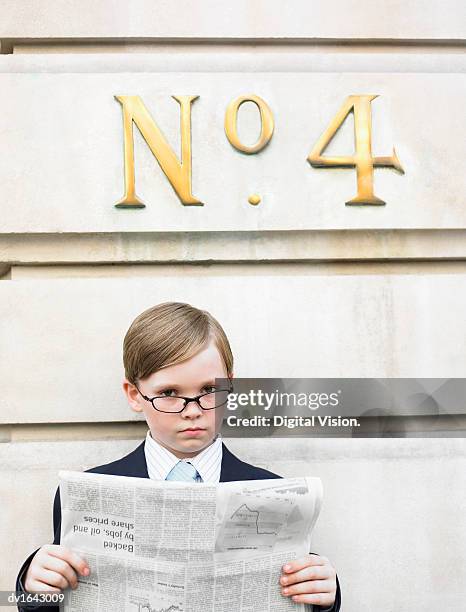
(192, 408)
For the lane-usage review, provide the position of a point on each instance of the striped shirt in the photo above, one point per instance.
(161, 461)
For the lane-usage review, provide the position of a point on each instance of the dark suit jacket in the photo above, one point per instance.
(134, 464)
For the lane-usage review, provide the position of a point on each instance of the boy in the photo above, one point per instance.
(172, 355)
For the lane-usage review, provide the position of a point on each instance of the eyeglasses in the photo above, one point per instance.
(177, 403)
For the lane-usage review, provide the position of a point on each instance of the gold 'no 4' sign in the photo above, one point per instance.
(178, 171)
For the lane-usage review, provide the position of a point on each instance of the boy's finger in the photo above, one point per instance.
(308, 560)
(52, 579)
(36, 586)
(313, 586)
(318, 599)
(76, 562)
(307, 573)
(61, 567)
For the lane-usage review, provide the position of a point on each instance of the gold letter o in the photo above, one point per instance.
(231, 117)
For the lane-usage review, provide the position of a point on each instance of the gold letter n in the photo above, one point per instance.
(179, 174)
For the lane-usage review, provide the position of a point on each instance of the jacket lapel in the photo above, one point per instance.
(135, 464)
(232, 467)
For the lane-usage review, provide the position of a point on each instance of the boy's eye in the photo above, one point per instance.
(209, 389)
(168, 392)
(174, 392)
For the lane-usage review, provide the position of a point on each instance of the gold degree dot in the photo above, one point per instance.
(254, 199)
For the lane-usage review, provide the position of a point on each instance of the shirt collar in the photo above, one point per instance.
(161, 461)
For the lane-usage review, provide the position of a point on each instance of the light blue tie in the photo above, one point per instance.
(185, 472)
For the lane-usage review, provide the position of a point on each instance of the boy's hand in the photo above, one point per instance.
(54, 568)
(309, 580)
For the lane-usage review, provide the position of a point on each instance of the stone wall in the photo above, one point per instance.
(304, 285)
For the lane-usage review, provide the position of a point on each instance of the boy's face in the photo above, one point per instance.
(185, 433)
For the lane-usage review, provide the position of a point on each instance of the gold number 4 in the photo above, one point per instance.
(362, 160)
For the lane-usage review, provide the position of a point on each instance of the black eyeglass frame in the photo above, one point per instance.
(187, 400)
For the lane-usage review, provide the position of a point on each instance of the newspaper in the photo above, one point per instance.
(157, 546)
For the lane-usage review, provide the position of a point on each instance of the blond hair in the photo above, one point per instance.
(167, 334)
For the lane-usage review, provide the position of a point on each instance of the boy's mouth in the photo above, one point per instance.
(193, 430)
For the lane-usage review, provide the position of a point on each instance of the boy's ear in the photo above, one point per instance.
(133, 396)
